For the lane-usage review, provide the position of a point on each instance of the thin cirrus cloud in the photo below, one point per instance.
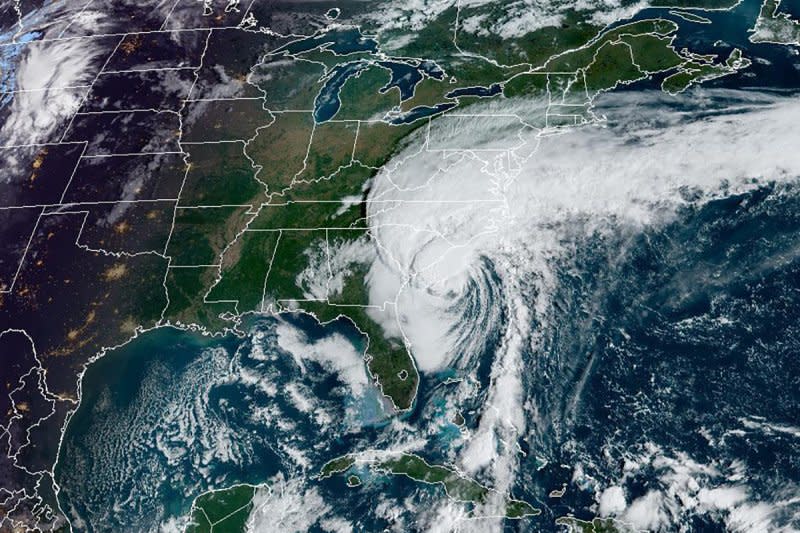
(439, 217)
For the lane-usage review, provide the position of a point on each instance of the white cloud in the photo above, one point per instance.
(646, 513)
(681, 487)
(473, 236)
(612, 501)
(411, 15)
(509, 19)
(753, 518)
(286, 506)
(334, 352)
(758, 423)
(341, 258)
(612, 10)
(450, 213)
(721, 497)
(336, 525)
(299, 397)
(45, 72)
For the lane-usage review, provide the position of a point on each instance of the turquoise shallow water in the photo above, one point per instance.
(709, 377)
(125, 396)
(174, 413)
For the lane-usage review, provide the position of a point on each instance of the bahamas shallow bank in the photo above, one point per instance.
(531, 240)
(604, 309)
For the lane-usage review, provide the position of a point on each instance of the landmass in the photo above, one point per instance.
(772, 26)
(253, 171)
(689, 16)
(456, 485)
(224, 510)
(596, 525)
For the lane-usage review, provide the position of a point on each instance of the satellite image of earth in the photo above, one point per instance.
(399, 265)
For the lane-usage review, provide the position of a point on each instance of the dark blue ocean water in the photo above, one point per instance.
(688, 346)
(684, 345)
(173, 414)
(774, 66)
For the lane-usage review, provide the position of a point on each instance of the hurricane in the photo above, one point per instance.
(436, 266)
(574, 252)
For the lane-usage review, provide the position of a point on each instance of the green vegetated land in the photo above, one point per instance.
(280, 189)
(532, 49)
(620, 56)
(597, 525)
(222, 511)
(456, 485)
(388, 359)
(257, 211)
(775, 27)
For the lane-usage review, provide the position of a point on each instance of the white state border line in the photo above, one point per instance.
(89, 90)
(24, 255)
(122, 34)
(247, 12)
(214, 206)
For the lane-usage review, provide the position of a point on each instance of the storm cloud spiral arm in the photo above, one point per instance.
(399, 266)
